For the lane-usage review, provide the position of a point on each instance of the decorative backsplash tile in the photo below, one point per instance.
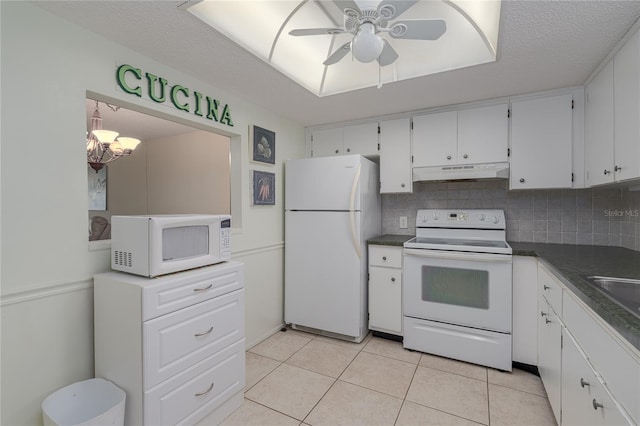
(600, 216)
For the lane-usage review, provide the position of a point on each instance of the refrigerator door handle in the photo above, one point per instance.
(352, 213)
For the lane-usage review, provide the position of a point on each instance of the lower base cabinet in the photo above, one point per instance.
(385, 289)
(585, 400)
(550, 354)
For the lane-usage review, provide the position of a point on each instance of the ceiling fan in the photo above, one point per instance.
(366, 25)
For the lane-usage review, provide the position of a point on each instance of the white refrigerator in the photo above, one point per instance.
(332, 207)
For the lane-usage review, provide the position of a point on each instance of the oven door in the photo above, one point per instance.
(462, 288)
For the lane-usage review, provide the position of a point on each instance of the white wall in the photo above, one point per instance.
(48, 68)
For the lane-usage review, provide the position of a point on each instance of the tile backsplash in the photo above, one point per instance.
(594, 216)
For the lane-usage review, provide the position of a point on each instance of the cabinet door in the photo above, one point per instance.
(550, 354)
(395, 156)
(361, 139)
(626, 83)
(483, 134)
(327, 142)
(541, 139)
(585, 400)
(525, 310)
(435, 139)
(385, 299)
(598, 123)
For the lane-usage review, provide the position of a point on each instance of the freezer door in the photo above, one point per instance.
(325, 281)
(324, 183)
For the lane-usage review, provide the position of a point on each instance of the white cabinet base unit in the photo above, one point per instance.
(525, 326)
(175, 344)
(385, 289)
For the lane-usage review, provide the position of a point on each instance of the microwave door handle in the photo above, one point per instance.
(352, 213)
(455, 255)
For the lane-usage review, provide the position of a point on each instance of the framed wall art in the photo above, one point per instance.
(264, 188)
(97, 188)
(263, 145)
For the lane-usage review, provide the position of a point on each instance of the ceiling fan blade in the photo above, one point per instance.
(388, 55)
(347, 5)
(338, 54)
(391, 9)
(316, 31)
(419, 29)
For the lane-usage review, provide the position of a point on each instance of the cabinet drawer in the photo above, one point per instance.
(178, 340)
(176, 291)
(618, 368)
(189, 397)
(551, 289)
(385, 256)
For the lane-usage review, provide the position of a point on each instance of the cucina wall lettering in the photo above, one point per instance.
(158, 89)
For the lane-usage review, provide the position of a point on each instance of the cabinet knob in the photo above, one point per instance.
(448, 157)
(337, 151)
(584, 383)
(543, 314)
(348, 149)
(521, 180)
(546, 287)
(384, 257)
(606, 172)
(547, 321)
(596, 404)
(465, 156)
(617, 169)
(393, 280)
(402, 185)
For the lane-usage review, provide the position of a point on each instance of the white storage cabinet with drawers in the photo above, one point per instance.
(175, 344)
(385, 289)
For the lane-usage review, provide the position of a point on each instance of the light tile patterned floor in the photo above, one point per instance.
(296, 378)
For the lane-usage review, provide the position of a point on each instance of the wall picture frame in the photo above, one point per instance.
(262, 145)
(264, 188)
(97, 188)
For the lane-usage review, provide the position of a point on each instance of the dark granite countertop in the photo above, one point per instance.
(390, 240)
(572, 263)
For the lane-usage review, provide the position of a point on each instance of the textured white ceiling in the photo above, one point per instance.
(542, 45)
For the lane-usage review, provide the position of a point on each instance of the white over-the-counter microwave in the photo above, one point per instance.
(163, 244)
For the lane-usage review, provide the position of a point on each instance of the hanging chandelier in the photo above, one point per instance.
(105, 146)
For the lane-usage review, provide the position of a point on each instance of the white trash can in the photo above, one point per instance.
(91, 402)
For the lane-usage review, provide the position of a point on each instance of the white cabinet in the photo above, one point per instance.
(541, 142)
(626, 95)
(550, 353)
(395, 156)
(585, 399)
(385, 289)
(599, 128)
(525, 312)
(612, 112)
(355, 139)
(174, 344)
(468, 136)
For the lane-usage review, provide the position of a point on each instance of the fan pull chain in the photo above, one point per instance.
(379, 76)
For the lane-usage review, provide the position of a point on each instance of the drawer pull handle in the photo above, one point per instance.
(596, 404)
(204, 333)
(546, 287)
(211, 387)
(203, 288)
(584, 383)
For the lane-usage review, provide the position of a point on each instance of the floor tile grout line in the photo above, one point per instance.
(519, 390)
(404, 399)
(451, 372)
(445, 412)
(273, 409)
(319, 400)
(488, 401)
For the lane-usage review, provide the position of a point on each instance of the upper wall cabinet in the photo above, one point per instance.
(612, 111)
(541, 142)
(395, 156)
(356, 139)
(469, 136)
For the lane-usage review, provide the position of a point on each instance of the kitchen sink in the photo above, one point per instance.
(624, 291)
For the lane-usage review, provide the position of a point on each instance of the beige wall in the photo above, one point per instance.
(48, 69)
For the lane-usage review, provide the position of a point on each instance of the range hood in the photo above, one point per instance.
(462, 171)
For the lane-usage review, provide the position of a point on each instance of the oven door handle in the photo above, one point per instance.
(457, 255)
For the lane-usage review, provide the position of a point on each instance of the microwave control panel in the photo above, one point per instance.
(225, 236)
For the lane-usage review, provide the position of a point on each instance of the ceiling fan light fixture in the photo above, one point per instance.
(367, 45)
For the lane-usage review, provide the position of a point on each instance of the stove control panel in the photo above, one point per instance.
(469, 218)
